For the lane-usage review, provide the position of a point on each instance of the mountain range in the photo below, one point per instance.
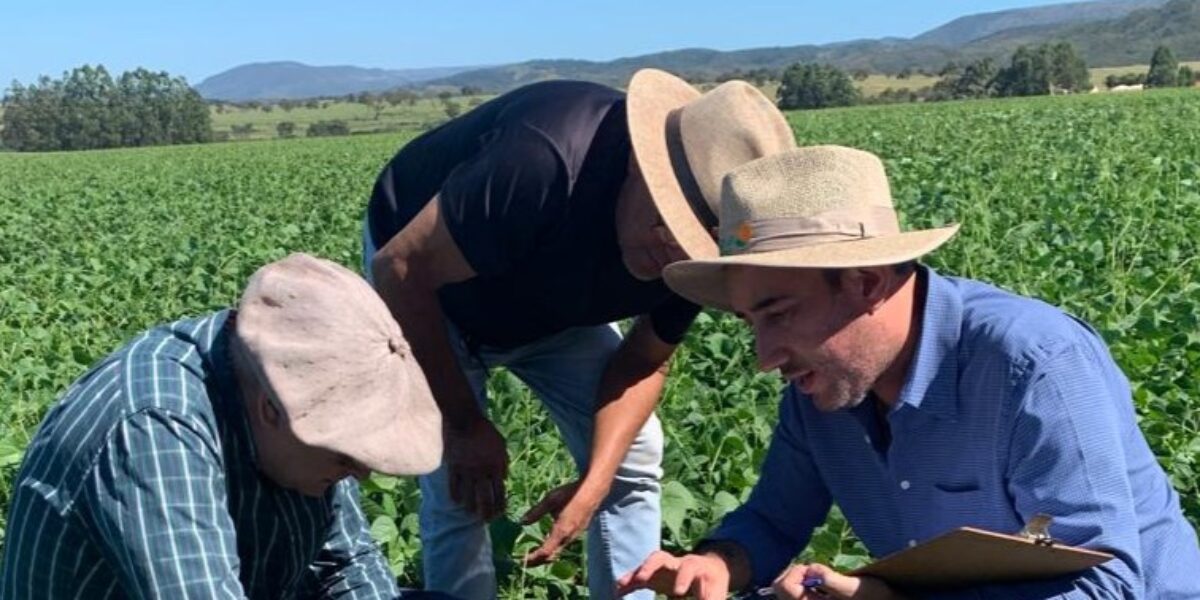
(292, 80)
(1105, 32)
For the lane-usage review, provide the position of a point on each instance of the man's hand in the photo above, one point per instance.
(790, 585)
(476, 464)
(572, 507)
(701, 576)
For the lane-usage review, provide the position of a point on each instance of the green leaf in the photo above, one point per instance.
(384, 530)
(724, 502)
(677, 502)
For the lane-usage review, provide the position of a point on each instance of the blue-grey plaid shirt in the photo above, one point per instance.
(141, 483)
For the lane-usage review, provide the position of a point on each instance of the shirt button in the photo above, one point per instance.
(912, 543)
(904, 485)
(867, 439)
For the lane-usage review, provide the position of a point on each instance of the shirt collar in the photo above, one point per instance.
(932, 382)
(229, 404)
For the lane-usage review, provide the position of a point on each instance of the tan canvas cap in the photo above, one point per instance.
(814, 207)
(330, 353)
(685, 142)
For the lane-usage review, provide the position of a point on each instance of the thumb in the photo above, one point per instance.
(545, 553)
(832, 582)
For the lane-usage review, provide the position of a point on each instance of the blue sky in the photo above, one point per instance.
(201, 39)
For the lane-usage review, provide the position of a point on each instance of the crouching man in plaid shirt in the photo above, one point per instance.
(217, 457)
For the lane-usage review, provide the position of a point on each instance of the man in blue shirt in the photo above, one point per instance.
(918, 402)
(213, 457)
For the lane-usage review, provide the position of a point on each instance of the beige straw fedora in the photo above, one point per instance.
(685, 142)
(814, 207)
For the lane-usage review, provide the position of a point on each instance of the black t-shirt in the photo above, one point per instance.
(528, 184)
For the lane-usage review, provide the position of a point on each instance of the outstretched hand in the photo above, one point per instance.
(571, 510)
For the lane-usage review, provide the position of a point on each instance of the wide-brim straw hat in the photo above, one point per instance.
(819, 207)
(328, 351)
(684, 143)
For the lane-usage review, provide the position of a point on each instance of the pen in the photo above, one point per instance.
(813, 584)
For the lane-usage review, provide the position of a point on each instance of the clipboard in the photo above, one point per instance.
(968, 556)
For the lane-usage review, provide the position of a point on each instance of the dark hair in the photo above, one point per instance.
(834, 276)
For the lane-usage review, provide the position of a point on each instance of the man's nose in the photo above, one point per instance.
(770, 356)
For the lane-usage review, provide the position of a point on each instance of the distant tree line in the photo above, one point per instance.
(1051, 68)
(376, 102)
(1046, 69)
(758, 77)
(328, 128)
(88, 109)
(810, 85)
(1165, 71)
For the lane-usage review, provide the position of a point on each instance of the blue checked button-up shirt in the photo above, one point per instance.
(1011, 408)
(141, 483)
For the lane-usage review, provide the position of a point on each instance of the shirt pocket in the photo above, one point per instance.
(958, 504)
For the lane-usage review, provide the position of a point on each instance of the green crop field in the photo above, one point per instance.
(423, 113)
(1089, 202)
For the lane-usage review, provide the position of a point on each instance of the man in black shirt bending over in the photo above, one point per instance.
(515, 235)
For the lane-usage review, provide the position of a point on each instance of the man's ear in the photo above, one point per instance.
(868, 287)
(265, 411)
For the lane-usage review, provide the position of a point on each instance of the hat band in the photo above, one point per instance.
(683, 172)
(783, 233)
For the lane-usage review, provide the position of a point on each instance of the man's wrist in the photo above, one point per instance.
(737, 561)
(593, 489)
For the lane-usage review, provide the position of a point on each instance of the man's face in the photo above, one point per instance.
(820, 337)
(290, 463)
(646, 244)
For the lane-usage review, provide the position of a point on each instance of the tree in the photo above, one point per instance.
(1066, 69)
(860, 74)
(285, 129)
(328, 128)
(1187, 78)
(242, 130)
(759, 77)
(1164, 69)
(88, 109)
(950, 68)
(374, 102)
(30, 116)
(976, 80)
(1113, 81)
(815, 86)
(1026, 75)
(160, 109)
(452, 108)
(398, 97)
